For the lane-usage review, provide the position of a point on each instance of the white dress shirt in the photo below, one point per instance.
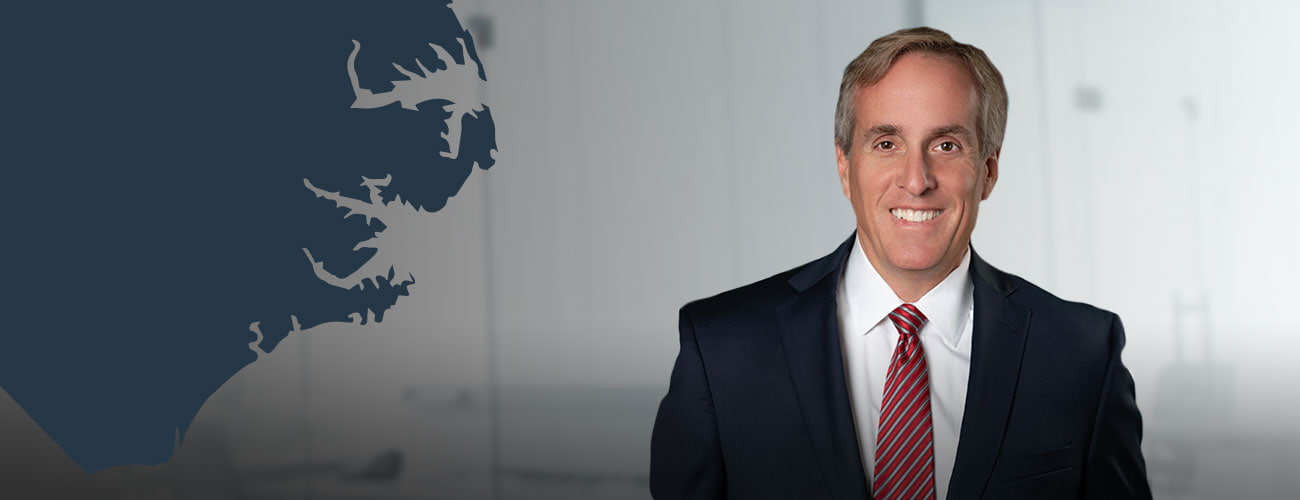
(868, 338)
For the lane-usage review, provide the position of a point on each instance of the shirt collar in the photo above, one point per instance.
(866, 299)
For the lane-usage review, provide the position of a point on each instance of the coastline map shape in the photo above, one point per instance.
(189, 183)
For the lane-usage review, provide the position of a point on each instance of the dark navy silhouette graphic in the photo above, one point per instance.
(187, 184)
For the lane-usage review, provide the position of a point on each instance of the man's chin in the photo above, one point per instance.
(922, 263)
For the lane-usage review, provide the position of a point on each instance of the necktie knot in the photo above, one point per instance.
(908, 319)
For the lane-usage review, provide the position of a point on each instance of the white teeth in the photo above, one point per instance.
(914, 215)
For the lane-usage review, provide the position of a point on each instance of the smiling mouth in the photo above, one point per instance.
(915, 215)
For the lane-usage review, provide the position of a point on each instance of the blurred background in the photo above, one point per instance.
(652, 153)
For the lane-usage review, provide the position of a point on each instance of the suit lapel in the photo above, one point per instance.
(810, 337)
(997, 348)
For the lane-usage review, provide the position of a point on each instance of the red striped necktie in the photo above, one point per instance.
(905, 443)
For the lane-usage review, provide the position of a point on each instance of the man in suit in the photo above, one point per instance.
(902, 365)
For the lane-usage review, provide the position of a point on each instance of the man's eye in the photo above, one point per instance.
(886, 145)
(947, 147)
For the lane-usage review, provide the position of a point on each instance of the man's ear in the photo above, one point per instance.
(991, 173)
(842, 165)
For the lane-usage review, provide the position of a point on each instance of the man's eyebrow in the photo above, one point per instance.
(885, 129)
(957, 130)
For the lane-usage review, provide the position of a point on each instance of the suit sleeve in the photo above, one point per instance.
(685, 455)
(1115, 468)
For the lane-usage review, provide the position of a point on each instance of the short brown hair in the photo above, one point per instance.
(870, 67)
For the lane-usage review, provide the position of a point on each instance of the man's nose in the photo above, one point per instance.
(916, 176)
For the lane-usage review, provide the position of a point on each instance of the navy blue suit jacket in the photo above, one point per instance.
(757, 406)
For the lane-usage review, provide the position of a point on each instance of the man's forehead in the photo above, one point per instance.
(931, 94)
(965, 132)
(916, 69)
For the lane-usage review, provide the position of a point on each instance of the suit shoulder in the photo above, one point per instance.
(745, 302)
(1078, 320)
(1029, 292)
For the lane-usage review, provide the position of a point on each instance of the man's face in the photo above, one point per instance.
(914, 173)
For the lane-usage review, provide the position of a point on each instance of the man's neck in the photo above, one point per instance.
(910, 286)
(912, 289)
